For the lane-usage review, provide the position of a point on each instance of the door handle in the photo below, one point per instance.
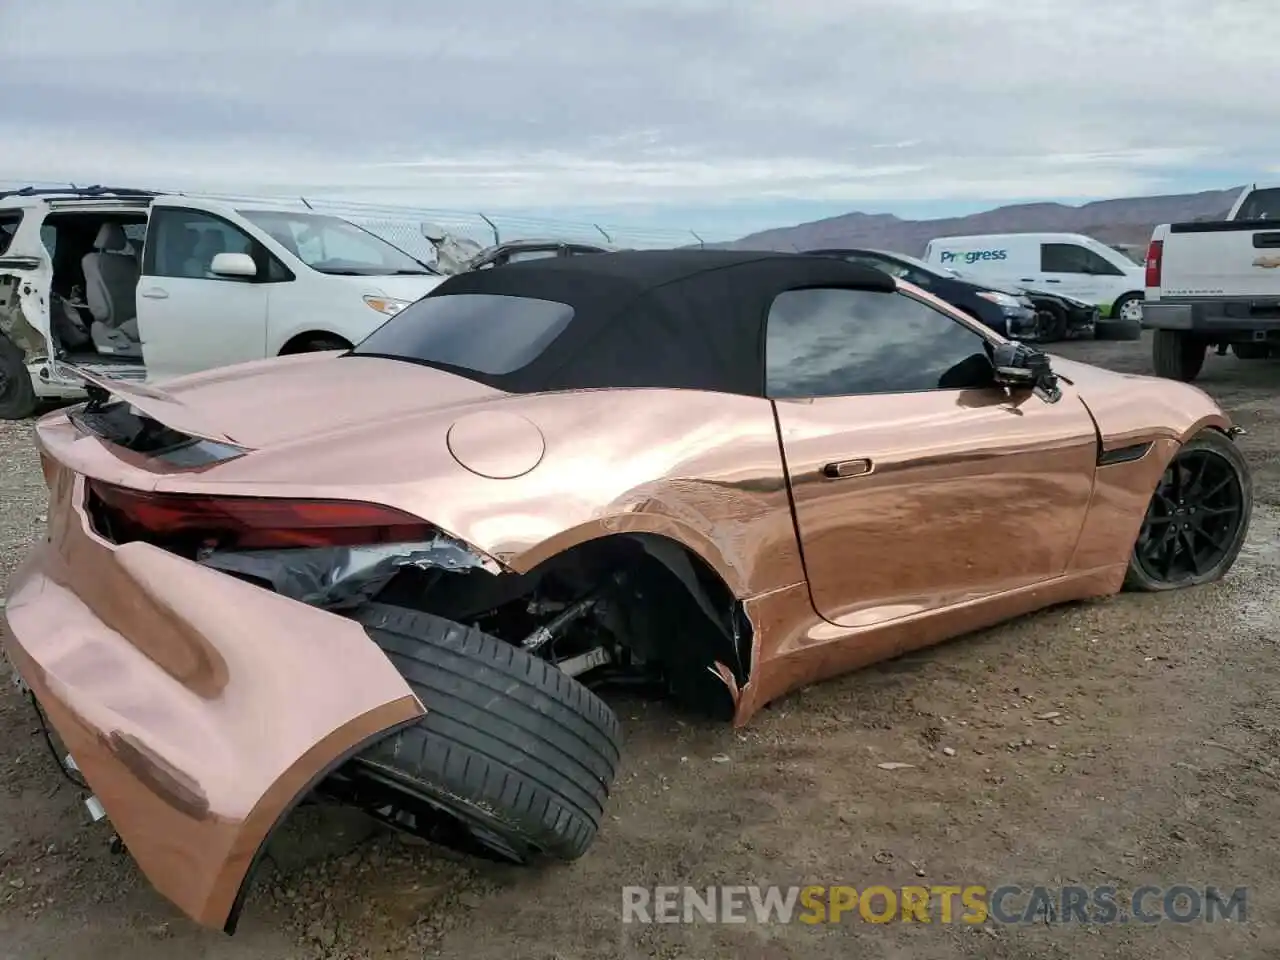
(1051, 280)
(155, 293)
(844, 469)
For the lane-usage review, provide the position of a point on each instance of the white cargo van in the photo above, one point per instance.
(1067, 263)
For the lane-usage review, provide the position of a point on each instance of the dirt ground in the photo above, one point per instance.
(1160, 767)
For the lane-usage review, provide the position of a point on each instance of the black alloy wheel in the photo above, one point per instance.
(1197, 518)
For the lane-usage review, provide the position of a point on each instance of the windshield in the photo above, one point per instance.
(335, 246)
(480, 332)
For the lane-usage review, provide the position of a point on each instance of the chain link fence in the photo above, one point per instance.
(404, 225)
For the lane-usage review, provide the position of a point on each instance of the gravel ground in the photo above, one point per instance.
(1159, 767)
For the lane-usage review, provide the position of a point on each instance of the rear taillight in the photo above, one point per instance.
(195, 522)
(1155, 258)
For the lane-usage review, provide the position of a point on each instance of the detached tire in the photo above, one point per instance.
(1177, 356)
(1117, 330)
(1054, 328)
(17, 394)
(522, 754)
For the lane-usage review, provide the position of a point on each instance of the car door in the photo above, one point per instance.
(26, 275)
(190, 319)
(1076, 271)
(917, 483)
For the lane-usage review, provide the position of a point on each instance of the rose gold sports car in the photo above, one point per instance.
(399, 576)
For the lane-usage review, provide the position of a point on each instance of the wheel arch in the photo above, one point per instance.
(723, 647)
(298, 342)
(672, 529)
(686, 613)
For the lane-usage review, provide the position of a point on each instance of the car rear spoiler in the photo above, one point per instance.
(158, 405)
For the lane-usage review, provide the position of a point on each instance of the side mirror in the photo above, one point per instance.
(432, 232)
(238, 265)
(1020, 367)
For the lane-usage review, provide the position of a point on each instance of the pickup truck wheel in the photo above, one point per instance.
(17, 394)
(519, 753)
(1177, 356)
(1052, 323)
(1197, 518)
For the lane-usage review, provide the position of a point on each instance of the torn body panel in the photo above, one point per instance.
(198, 707)
(717, 488)
(24, 312)
(344, 577)
(797, 647)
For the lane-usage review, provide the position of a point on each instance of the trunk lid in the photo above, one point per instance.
(277, 401)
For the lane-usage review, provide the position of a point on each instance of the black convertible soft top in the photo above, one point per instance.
(685, 319)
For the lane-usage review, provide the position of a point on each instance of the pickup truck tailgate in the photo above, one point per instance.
(1229, 259)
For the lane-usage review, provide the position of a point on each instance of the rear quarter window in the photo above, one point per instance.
(1261, 205)
(9, 220)
(487, 333)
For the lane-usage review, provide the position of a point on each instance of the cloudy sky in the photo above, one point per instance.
(720, 115)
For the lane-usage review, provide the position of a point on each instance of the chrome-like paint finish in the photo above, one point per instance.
(796, 647)
(973, 493)
(496, 444)
(197, 706)
(701, 468)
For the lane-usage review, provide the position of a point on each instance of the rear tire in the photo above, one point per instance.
(1054, 326)
(517, 751)
(17, 393)
(1177, 355)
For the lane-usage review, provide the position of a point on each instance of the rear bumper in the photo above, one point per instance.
(198, 708)
(1226, 316)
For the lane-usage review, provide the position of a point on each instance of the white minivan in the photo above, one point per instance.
(1067, 263)
(143, 286)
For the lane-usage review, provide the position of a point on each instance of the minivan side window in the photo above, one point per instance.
(1073, 258)
(182, 244)
(8, 227)
(830, 342)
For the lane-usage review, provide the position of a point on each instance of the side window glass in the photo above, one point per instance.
(1100, 266)
(833, 342)
(1063, 258)
(8, 227)
(518, 256)
(183, 243)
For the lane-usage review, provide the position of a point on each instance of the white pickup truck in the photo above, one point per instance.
(1215, 283)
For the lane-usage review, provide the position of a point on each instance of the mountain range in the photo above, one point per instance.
(1123, 222)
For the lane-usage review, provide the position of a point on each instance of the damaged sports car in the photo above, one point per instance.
(403, 576)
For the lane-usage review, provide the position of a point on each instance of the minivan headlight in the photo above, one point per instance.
(387, 306)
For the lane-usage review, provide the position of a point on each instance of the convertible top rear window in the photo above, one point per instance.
(487, 333)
